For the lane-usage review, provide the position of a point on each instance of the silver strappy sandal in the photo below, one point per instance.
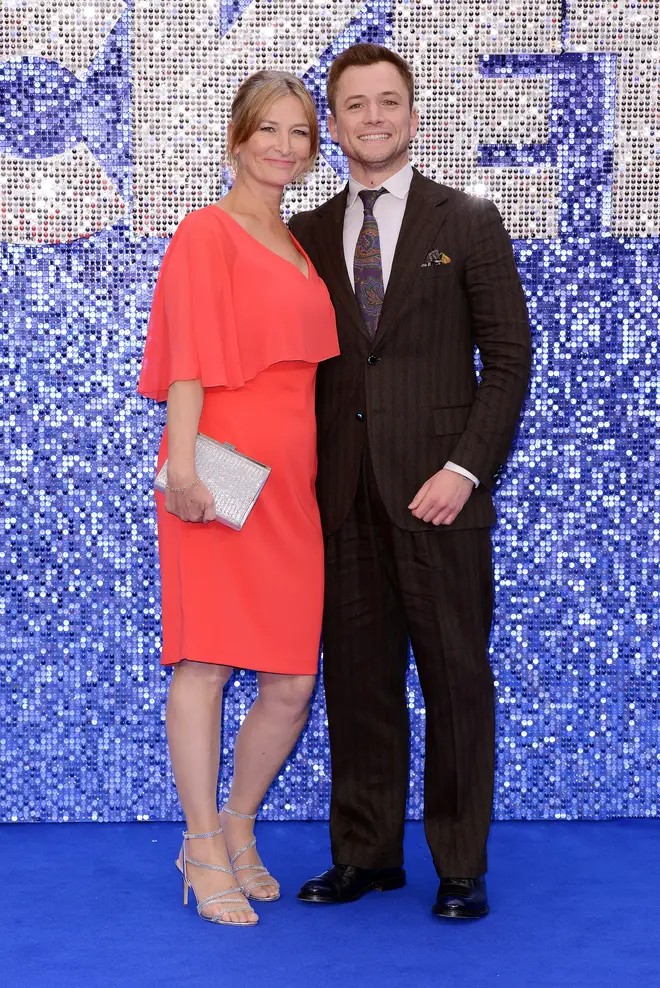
(261, 876)
(228, 905)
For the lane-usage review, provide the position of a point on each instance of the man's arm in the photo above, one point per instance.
(298, 226)
(500, 328)
(501, 331)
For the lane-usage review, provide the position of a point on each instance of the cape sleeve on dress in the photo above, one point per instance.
(192, 333)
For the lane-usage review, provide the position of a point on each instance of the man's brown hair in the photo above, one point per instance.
(367, 55)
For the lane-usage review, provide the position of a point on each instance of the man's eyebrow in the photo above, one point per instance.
(387, 92)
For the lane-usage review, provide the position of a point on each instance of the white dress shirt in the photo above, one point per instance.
(388, 212)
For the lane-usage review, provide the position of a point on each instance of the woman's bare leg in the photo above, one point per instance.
(194, 713)
(266, 737)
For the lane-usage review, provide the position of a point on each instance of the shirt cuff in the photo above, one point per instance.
(463, 472)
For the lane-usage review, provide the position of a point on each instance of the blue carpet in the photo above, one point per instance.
(572, 904)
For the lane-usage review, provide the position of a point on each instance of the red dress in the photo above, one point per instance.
(252, 328)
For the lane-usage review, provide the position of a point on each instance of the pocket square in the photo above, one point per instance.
(436, 257)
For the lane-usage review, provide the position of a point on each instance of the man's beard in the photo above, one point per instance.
(389, 158)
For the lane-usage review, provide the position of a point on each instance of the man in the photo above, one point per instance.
(409, 444)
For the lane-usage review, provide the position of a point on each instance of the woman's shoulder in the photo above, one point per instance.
(198, 220)
(204, 231)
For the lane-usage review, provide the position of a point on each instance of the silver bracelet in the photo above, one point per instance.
(177, 490)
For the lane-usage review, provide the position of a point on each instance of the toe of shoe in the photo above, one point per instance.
(316, 890)
(452, 902)
(456, 908)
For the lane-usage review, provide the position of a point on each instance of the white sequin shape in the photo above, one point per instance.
(66, 196)
(631, 30)
(185, 76)
(459, 109)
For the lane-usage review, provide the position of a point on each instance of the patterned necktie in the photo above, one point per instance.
(367, 265)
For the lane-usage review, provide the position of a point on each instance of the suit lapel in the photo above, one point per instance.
(422, 219)
(332, 261)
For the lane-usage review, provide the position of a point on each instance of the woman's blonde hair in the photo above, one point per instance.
(253, 98)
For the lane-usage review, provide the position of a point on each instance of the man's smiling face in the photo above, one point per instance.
(372, 120)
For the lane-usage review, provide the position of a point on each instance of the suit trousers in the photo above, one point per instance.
(384, 587)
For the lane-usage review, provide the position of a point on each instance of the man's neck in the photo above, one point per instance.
(373, 178)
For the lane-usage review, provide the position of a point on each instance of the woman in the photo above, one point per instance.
(239, 322)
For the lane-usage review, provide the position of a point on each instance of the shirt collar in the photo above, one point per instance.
(398, 185)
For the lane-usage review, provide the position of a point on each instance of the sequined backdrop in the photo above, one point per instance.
(111, 127)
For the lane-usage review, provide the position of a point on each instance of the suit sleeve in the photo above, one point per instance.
(500, 328)
(298, 228)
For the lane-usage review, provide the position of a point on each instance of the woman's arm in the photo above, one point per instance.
(184, 407)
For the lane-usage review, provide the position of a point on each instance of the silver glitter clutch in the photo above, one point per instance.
(234, 480)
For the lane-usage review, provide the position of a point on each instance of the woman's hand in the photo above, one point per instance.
(184, 406)
(194, 504)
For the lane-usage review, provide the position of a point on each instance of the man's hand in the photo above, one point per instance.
(442, 497)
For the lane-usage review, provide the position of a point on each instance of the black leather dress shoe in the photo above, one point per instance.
(346, 883)
(461, 898)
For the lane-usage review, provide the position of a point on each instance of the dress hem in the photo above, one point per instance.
(251, 668)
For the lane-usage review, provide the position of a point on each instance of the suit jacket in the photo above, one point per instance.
(413, 391)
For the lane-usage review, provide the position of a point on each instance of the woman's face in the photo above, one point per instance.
(280, 148)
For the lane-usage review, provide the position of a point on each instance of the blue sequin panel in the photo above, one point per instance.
(574, 646)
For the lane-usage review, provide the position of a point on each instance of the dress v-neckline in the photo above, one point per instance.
(274, 253)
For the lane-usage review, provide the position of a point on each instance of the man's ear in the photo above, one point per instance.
(414, 122)
(332, 127)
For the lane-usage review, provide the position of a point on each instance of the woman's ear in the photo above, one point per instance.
(231, 159)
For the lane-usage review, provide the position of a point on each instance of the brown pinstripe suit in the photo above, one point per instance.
(390, 413)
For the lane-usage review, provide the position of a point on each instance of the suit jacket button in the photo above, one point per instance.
(372, 360)
(359, 416)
